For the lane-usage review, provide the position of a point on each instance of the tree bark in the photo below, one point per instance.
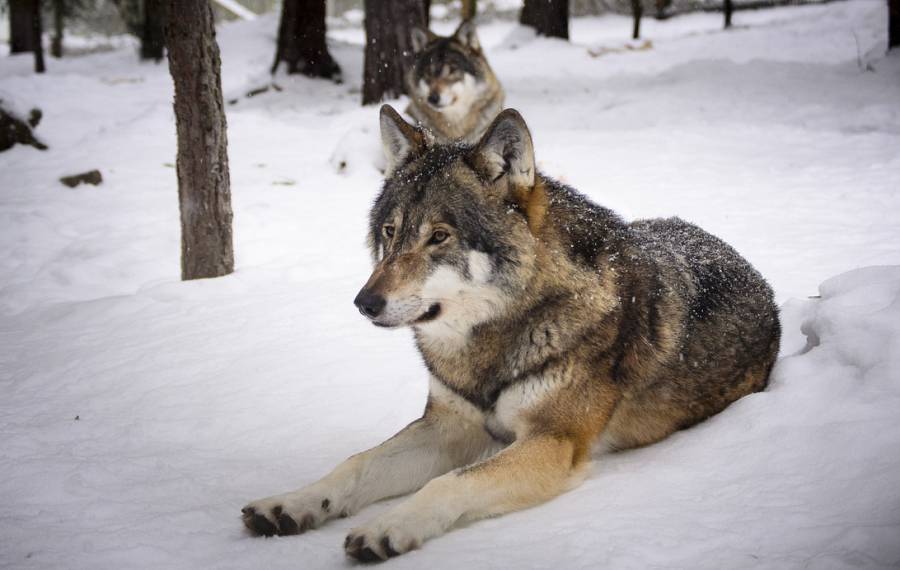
(21, 28)
(301, 40)
(549, 17)
(56, 46)
(389, 51)
(204, 188)
(893, 24)
(728, 8)
(37, 30)
(637, 10)
(152, 36)
(469, 9)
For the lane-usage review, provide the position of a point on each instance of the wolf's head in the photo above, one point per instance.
(448, 71)
(452, 232)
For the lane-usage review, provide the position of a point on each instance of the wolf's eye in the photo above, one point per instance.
(438, 237)
(388, 230)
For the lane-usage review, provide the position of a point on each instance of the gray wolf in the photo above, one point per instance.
(453, 90)
(549, 326)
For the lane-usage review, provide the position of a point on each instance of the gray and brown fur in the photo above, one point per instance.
(453, 90)
(549, 326)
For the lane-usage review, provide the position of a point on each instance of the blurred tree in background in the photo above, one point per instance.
(143, 19)
(301, 40)
(388, 53)
(893, 23)
(548, 17)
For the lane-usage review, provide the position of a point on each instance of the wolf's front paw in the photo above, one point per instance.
(386, 537)
(292, 513)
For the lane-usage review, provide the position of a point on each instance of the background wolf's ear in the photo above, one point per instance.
(399, 139)
(419, 39)
(506, 150)
(466, 35)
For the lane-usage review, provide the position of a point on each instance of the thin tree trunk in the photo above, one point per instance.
(301, 40)
(37, 30)
(389, 51)
(204, 188)
(549, 17)
(469, 9)
(21, 27)
(637, 10)
(893, 23)
(728, 8)
(152, 36)
(56, 46)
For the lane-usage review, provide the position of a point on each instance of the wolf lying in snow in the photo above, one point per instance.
(549, 326)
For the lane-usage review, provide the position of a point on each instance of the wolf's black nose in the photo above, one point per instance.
(370, 304)
(434, 98)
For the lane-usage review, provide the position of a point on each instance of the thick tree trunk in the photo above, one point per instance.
(661, 7)
(468, 9)
(389, 24)
(301, 40)
(37, 30)
(893, 24)
(152, 36)
(549, 17)
(728, 8)
(21, 26)
(637, 10)
(56, 46)
(204, 188)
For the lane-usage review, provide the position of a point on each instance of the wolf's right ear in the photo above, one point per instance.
(399, 139)
(419, 39)
(506, 150)
(466, 34)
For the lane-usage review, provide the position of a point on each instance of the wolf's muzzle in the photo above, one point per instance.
(369, 304)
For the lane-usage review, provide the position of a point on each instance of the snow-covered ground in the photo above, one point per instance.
(139, 413)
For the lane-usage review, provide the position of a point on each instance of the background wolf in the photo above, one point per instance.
(453, 91)
(549, 325)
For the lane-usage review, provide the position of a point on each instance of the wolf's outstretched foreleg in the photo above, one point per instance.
(433, 445)
(528, 472)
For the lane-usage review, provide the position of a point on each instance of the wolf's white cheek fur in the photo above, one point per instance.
(463, 94)
(464, 302)
(479, 267)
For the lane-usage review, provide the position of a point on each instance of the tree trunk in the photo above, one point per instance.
(21, 28)
(56, 46)
(37, 30)
(468, 9)
(728, 8)
(893, 23)
(301, 40)
(152, 36)
(637, 10)
(549, 17)
(661, 7)
(389, 51)
(204, 188)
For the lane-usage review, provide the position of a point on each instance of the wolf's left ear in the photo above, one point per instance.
(419, 39)
(506, 150)
(466, 35)
(399, 139)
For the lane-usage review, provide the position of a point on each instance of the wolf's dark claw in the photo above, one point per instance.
(260, 525)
